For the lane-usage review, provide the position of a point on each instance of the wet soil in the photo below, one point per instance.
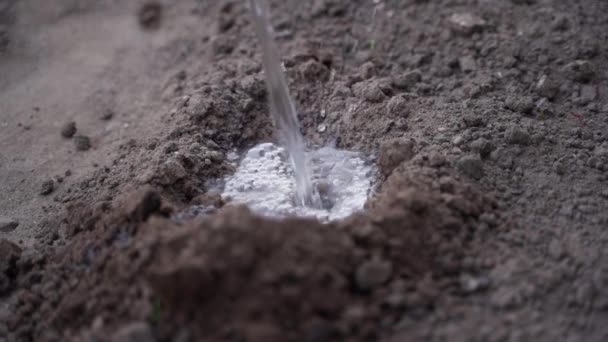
(487, 120)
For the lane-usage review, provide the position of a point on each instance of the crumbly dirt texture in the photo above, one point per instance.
(488, 121)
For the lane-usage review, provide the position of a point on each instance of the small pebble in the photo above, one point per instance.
(470, 284)
(458, 140)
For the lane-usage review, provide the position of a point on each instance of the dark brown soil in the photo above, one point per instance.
(488, 121)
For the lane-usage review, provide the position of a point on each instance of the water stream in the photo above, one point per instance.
(282, 107)
(286, 179)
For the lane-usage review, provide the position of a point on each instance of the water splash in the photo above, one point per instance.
(282, 107)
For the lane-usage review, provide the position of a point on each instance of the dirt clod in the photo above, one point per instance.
(483, 146)
(8, 224)
(547, 87)
(467, 63)
(134, 332)
(107, 114)
(520, 104)
(373, 273)
(397, 106)
(518, 136)
(82, 142)
(369, 90)
(150, 15)
(407, 80)
(143, 204)
(466, 23)
(68, 129)
(580, 71)
(393, 153)
(9, 255)
(471, 165)
(47, 187)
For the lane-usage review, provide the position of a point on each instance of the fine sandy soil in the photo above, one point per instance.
(488, 120)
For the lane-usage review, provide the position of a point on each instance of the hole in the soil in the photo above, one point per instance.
(264, 181)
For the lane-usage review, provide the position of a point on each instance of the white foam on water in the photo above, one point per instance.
(265, 181)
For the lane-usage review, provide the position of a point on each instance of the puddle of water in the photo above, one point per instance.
(265, 182)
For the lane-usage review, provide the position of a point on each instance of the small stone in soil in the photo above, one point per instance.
(470, 284)
(68, 130)
(471, 166)
(82, 142)
(47, 187)
(8, 224)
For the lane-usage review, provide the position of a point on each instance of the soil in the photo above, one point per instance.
(488, 121)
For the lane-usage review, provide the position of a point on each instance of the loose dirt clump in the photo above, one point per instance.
(150, 15)
(9, 255)
(287, 277)
(68, 129)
